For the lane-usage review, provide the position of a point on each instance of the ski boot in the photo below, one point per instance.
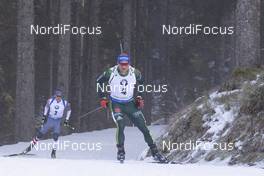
(120, 153)
(157, 156)
(53, 153)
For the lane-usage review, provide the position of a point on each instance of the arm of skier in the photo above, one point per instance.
(101, 83)
(140, 82)
(46, 109)
(45, 113)
(68, 114)
(68, 111)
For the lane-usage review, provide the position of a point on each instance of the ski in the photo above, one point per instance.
(160, 162)
(175, 162)
(167, 162)
(19, 154)
(157, 162)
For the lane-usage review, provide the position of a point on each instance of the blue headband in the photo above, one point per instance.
(123, 59)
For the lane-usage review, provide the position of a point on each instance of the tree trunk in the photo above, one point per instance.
(76, 66)
(127, 22)
(53, 44)
(142, 58)
(247, 33)
(94, 64)
(64, 49)
(262, 33)
(25, 107)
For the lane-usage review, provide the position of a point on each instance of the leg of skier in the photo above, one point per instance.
(55, 144)
(55, 135)
(118, 118)
(43, 130)
(138, 119)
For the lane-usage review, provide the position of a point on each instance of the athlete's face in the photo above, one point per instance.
(123, 67)
(58, 98)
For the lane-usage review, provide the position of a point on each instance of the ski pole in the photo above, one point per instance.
(120, 42)
(90, 112)
(84, 115)
(121, 46)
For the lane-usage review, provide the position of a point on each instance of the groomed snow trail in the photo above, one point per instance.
(103, 162)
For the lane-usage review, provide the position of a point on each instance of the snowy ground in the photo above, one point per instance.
(99, 159)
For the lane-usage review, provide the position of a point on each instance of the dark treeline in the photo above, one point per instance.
(32, 66)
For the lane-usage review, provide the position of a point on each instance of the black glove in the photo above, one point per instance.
(66, 123)
(44, 119)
